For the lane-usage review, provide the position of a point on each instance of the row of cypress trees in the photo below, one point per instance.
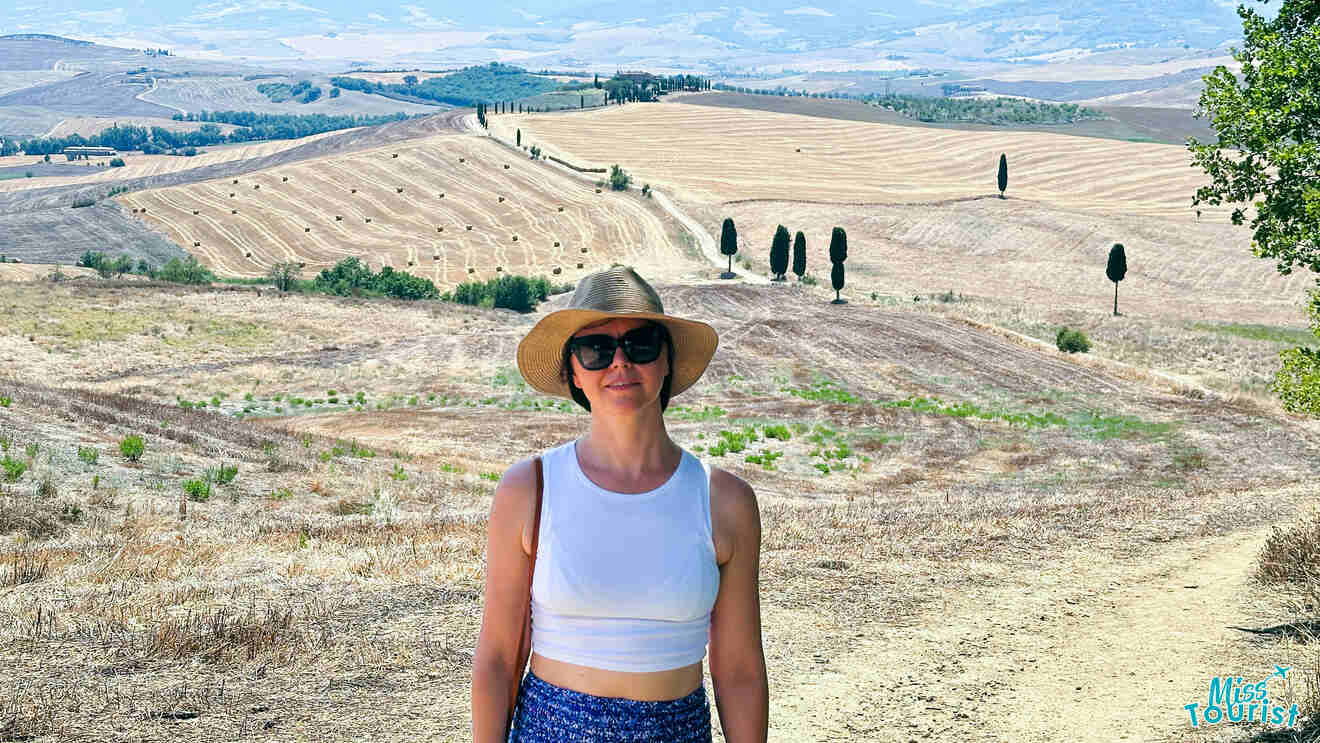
(779, 254)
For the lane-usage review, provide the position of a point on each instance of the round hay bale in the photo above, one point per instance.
(471, 270)
(398, 190)
(515, 238)
(439, 229)
(506, 166)
(501, 199)
(556, 270)
(556, 243)
(197, 211)
(248, 254)
(235, 181)
(584, 250)
(442, 194)
(410, 263)
(368, 219)
(499, 269)
(469, 228)
(460, 159)
(394, 155)
(197, 243)
(598, 190)
(302, 264)
(579, 265)
(285, 179)
(561, 208)
(233, 211)
(307, 229)
(339, 217)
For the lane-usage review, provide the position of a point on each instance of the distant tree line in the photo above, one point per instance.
(466, 87)
(303, 91)
(518, 293)
(185, 271)
(158, 140)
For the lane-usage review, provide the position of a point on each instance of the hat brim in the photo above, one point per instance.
(541, 352)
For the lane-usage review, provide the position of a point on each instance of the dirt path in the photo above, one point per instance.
(1093, 649)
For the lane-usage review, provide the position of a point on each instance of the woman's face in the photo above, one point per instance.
(623, 385)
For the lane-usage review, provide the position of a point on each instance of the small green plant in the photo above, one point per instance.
(88, 454)
(248, 397)
(412, 400)
(47, 488)
(32, 449)
(360, 451)
(281, 494)
(132, 447)
(226, 473)
(779, 432)
(352, 508)
(14, 468)
(709, 412)
(331, 393)
(302, 538)
(492, 476)
(96, 481)
(5, 401)
(825, 390)
(766, 458)
(197, 489)
(1072, 341)
(398, 474)
(453, 469)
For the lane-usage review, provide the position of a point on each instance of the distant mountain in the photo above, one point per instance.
(684, 31)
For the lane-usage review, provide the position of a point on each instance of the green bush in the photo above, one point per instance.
(1297, 383)
(88, 454)
(1072, 341)
(5, 401)
(619, 178)
(14, 468)
(117, 162)
(226, 473)
(132, 447)
(197, 489)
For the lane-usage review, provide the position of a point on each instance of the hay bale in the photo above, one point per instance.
(439, 229)
(561, 208)
(506, 166)
(394, 155)
(248, 254)
(442, 194)
(197, 243)
(236, 181)
(197, 211)
(410, 263)
(307, 229)
(579, 265)
(285, 179)
(598, 190)
(398, 190)
(584, 250)
(515, 238)
(501, 199)
(233, 211)
(555, 270)
(339, 217)
(256, 187)
(472, 270)
(469, 228)
(556, 243)
(368, 219)
(499, 269)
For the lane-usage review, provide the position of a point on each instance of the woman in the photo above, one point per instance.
(644, 554)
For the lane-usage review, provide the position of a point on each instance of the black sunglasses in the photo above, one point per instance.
(640, 346)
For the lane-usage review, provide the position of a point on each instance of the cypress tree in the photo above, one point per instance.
(728, 244)
(838, 254)
(1003, 174)
(800, 255)
(779, 253)
(518, 138)
(1116, 270)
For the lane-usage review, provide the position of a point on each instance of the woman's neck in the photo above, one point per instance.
(631, 450)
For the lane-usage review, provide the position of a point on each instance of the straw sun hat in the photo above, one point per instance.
(614, 292)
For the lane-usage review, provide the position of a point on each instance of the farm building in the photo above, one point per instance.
(76, 152)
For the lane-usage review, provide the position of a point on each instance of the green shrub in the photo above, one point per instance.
(32, 450)
(398, 473)
(778, 432)
(132, 447)
(14, 468)
(1297, 383)
(281, 494)
(5, 401)
(117, 162)
(619, 178)
(88, 454)
(1072, 341)
(226, 473)
(197, 489)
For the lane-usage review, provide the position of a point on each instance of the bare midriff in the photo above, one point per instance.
(654, 686)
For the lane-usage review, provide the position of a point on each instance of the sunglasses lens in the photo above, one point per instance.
(640, 346)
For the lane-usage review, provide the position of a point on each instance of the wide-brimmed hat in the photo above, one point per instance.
(614, 292)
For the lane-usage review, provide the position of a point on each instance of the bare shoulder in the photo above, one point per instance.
(515, 500)
(735, 515)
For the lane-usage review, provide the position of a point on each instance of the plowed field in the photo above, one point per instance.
(423, 211)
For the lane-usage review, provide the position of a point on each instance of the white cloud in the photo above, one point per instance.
(113, 16)
(378, 17)
(417, 16)
(808, 10)
(215, 10)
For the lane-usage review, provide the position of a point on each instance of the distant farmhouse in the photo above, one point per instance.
(953, 90)
(73, 153)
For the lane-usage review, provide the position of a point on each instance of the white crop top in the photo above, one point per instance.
(623, 581)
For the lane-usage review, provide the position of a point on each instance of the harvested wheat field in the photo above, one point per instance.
(90, 125)
(137, 165)
(950, 517)
(716, 155)
(449, 208)
(35, 271)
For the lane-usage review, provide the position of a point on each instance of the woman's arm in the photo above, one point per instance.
(505, 604)
(737, 660)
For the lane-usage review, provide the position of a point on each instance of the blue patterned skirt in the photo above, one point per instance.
(552, 714)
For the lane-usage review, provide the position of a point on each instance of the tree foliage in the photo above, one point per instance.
(1116, 269)
(285, 275)
(800, 255)
(619, 178)
(1003, 174)
(729, 240)
(838, 254)
(1268, 123)
(466, 87)
(779, 253)
(352, 277)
